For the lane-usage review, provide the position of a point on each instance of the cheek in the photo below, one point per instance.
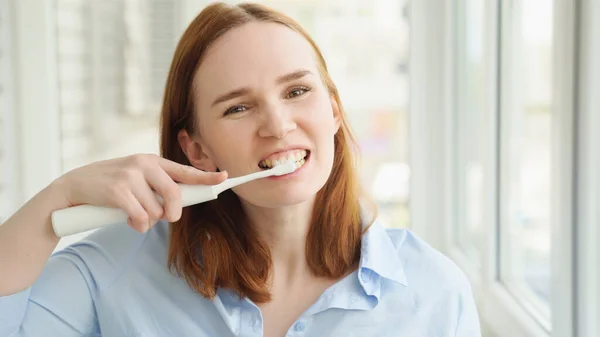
(320, 124)
(230, 145)
(319, 114)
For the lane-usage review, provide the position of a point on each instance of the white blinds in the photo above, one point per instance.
(113, 58)
(74, 59)
(163, 38)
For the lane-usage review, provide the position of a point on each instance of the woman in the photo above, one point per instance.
(289, 256)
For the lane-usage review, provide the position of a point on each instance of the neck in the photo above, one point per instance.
(284, 230)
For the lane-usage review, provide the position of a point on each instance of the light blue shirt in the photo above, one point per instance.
(115, 283)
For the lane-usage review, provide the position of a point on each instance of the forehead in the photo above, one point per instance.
(254, 53)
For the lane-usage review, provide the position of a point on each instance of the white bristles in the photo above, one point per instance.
(285, 168)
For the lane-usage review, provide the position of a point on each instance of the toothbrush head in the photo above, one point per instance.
(285, 168)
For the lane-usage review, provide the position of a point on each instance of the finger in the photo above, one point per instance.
(168, 190)
(138, 219)
(190, 175)
(147, 198)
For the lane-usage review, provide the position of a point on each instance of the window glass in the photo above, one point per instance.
(469, 126)
(526, 110)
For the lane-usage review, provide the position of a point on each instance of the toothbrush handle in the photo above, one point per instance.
(82, 218)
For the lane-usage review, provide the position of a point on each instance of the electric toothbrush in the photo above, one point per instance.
(82, 218)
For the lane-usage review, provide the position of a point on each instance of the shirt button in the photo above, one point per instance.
(365, 277)
(353, 298)
(300, 326)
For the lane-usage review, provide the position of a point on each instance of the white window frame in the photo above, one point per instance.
(427, 118)
(563, 220)
(588, 178)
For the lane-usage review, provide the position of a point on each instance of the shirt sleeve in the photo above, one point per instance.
(60, 303)
(468, 319)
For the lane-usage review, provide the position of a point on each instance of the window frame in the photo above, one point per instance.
(564, 147)
(587, 284)
(428, 99)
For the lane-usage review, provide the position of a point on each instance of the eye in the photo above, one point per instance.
(297, 91)
(235, 109)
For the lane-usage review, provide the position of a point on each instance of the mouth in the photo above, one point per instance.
(298, 156)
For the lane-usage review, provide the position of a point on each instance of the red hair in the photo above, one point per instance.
(213, 244)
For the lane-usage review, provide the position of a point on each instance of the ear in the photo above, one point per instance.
(337, 115)
(194, 152)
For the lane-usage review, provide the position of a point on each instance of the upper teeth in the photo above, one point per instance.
(292, 155)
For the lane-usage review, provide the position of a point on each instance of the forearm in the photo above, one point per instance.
(27, 240)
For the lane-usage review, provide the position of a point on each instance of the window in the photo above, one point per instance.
(528, 158)
(469, 127)
(113, 59)
(525, 166)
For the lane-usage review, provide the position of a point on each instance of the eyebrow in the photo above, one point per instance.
(244, 91)
(230, 95)
(293, 76)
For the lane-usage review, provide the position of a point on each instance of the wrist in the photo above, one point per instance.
(58, 193)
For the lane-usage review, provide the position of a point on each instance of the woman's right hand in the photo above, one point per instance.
(130, 183)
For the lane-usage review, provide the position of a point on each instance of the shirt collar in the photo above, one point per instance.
(362, 289)
(379, 255)
(359, 291)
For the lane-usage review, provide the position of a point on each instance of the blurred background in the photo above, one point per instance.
(476, 120)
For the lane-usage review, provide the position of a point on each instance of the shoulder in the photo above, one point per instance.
(426, 267)
(109, 252)
(437, 286)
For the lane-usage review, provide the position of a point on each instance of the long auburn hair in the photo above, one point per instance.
(213, 245)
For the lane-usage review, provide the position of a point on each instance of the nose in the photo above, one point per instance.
(276, 121)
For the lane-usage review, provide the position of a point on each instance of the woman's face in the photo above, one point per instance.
(259, 99)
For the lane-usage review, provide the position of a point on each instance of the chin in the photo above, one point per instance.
(281, 193)
(276, 198)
